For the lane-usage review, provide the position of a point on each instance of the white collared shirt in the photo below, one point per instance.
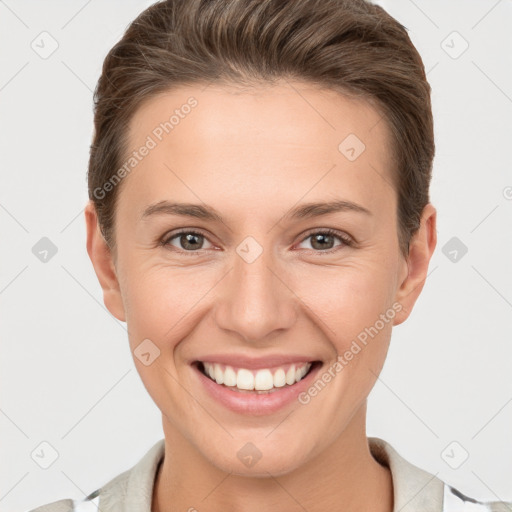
(414, 490)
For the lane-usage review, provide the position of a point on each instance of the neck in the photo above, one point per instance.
(346, 473)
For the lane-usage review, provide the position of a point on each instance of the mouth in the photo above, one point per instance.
(262, 381)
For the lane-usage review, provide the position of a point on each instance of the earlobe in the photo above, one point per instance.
(421, 249)
(102, 261)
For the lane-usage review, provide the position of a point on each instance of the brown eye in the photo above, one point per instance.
(188, 241)
(322, 241)
(326, 240)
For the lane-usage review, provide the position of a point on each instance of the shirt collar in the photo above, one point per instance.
(414, 489)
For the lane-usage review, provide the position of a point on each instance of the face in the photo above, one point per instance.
(224, 264)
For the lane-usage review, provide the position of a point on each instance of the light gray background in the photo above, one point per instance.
(67, 375)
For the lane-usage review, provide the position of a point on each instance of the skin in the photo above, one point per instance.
(253, 154)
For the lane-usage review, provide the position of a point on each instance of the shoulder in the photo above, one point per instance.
(87, 504)
(455, 501)
(56, 506)
(419, 490)
(132, 488)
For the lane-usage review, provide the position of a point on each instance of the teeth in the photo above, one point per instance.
(219, 374)
(263, 380)
(229, 377)
(244, 379)
(299, 374)
(290, 375)
(279, 378)
(259, 380)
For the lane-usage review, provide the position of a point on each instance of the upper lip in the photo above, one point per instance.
(253, 363)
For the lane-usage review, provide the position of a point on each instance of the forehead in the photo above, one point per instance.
(227, 139)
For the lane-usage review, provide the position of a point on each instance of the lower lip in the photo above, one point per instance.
(253, 403)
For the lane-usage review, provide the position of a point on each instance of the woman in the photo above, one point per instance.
(259, 216)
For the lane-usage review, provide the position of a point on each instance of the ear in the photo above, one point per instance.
(421, 248)
(103, 263)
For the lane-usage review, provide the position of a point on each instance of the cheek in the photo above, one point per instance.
(349, 298)
(353, 307)
(161, 302)
(164, 303)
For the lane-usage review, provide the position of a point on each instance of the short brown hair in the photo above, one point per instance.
(350, 46)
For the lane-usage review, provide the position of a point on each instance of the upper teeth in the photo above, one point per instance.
(259, 380)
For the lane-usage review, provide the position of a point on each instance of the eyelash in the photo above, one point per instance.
(347, 241)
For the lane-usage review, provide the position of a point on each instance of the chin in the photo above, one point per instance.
(259, 458)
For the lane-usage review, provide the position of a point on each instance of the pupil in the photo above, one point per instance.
(322, 238)
(188, 238)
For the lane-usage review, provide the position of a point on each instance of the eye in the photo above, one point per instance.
(323, 240)
(187, 240)
(193, 241)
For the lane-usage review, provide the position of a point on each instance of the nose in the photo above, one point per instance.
(255, 301)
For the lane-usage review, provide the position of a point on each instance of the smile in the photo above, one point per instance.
(256, 388)
(263, 380)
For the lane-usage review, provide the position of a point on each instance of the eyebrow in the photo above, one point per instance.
(310, 210)
(307, 210)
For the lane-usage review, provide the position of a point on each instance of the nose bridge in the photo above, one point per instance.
(255, 302)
